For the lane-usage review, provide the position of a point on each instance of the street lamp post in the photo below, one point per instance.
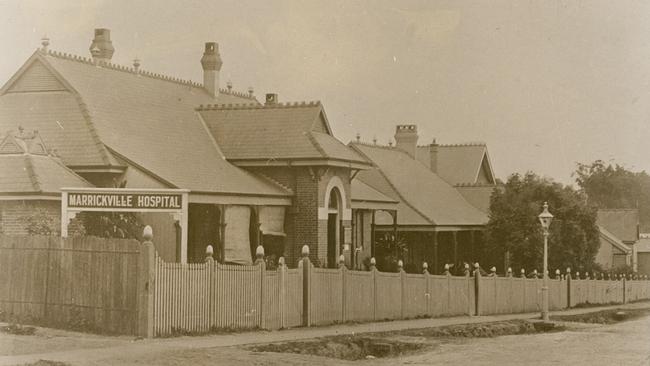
(545, 219)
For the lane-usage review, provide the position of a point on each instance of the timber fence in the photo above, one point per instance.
(122, 286)
(81, 282)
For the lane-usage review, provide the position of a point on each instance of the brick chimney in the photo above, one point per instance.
(271, 99)
(102, 48)
(211, 62)
(433, 156)
(406, 138)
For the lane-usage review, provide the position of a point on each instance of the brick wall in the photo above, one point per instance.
(305, 218)
(302, 224)
(14, 214)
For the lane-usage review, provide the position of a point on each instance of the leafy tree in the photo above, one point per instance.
(122, 225)
(389, 250)
(514, 227)
(41, 222)
(613, 186)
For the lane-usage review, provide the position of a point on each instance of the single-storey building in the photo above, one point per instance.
(249, 173)
(619, 234)
(643, 254)
(436, 222)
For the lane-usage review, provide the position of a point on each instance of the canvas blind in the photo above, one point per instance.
(272, 220)
(237, 235)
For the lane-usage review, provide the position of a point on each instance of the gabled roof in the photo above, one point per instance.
(459, 164)
(623, 223)
(277, 132)
(27, 168)
(146, 118)
(430, 198)
(613, 240)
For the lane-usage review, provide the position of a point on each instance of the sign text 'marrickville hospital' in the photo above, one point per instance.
(125, 200)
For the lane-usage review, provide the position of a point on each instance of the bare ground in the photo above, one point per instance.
(626, 343)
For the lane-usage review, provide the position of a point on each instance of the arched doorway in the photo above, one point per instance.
(333, 226)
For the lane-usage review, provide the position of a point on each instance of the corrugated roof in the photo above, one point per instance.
(421, 189)
(280, 131)
(151, 121)
(456, 164)
(623, 223)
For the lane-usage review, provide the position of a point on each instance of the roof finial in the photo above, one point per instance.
(390, 143)
(358, 137)
(229, 85)
(136, 64)
(251, 91)
(374, 140)
(45, 41)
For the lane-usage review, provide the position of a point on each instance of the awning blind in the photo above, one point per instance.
(272, 220)
(237, 238)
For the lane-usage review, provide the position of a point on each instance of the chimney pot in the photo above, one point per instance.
(406, 138)
(101, 47)
(45, 42)
(211, 62)
(433, 156)
(271, 99)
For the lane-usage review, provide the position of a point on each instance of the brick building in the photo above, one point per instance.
(270, 174)
(30, 178)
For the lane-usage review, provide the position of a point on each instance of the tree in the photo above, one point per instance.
(41, 222)
(122, 225)
(613, 186)
(514, 227)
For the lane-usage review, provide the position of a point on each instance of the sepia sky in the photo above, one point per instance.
(544, 83)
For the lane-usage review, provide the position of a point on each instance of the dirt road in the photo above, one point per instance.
(626, 343)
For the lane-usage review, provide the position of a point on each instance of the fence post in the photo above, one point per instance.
(427, 294)
(477, 286)
(343, 270)
(283, 290)
(259, 260)
(306, 286)
(624, 289)
(146, 282)
(48, 268)
(373, 270)
(402, 277)
(568, 288)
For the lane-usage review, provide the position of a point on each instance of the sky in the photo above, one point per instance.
(544, 83)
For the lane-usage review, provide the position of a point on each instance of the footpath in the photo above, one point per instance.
(73, 347)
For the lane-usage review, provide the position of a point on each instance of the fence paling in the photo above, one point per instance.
(65, 280)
